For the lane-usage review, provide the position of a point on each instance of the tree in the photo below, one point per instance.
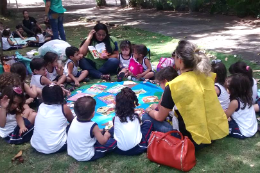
(3, 7)
(123, 3)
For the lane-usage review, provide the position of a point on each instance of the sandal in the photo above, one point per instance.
(106, 77)
(120, 77)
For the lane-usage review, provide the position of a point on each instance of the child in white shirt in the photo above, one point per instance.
(71, 66)
(50, 129)
(53, 69)
(221, 72)
(243, 123)
(124, 58)
(85, 140)
(131, 135)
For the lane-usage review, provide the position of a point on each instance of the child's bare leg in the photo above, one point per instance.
(256, 107)
(68, 79)
(61, 80)
(149, 75)
(83, 75)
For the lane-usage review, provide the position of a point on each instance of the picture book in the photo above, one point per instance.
(116, 89)
(97, 88)
(150, 99)
(140, 91)
(105, 110)
(79, 95)
(140, 112)
(97, 50)
(108, 99)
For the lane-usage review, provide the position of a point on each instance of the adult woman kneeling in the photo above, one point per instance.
(106, 64)
(201, 116)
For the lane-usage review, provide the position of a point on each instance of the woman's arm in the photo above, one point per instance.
(84, 48)
(233, 105)
(47, 9)
(160, 115)
(68, 113)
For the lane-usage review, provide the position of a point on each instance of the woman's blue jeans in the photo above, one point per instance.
(110, 66)
(56, 21)
(160, 126)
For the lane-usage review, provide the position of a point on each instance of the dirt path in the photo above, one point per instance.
(226, 34)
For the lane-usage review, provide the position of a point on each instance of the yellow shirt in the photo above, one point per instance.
(196, 99)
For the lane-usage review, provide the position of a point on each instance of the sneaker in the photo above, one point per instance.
(134, 79)
(142, 79)
(120, 77)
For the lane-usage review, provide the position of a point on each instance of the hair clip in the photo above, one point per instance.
(18, 90)
(247, 68)
(52, 84)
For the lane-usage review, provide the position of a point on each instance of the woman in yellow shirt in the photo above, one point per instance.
(200, 116)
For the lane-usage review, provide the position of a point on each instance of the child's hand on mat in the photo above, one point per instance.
(104, 56)
(22, 130)
(5, 102)
(91, 33)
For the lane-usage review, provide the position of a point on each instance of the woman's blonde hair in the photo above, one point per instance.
(193, 58)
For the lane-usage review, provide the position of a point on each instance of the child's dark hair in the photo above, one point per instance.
(50, 57)
(9, 79)
(70, 51)
(52, 94)
(20, 69)
(141, 49)
(220, 69)
(11, 92)
(239, 88)
(167, 73)
(19, 26)
(126, 101)
(6, 33)
(125, 44)
(37, 64)
(242, 67)
(84, 107)
(37, 30)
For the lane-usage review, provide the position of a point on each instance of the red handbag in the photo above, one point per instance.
(171, 151)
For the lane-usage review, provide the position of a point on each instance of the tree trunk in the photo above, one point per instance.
(123, 3)
(3, 7)
(101, 3)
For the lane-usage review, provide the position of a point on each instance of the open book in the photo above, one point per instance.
(97, 50)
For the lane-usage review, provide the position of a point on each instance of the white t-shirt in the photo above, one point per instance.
(124, 62)
(80, 143)
(50, 129)
(6, 44)
(36, 80)
(11, 123)
(41, 38)
(53, 75)
(254, 89)
(246, 120)
(75, 68)
(127, 134)
(223, 97)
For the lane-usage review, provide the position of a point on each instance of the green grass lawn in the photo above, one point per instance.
(225, 155)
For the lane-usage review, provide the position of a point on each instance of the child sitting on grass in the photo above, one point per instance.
(221, 72)
(7, 42)
(85, 140)
(140, 52)
(40, 38)
(243, 68)
(19, 32)
(165, 75)
(241, 113)
(124, 58)
(71, 67)
(54, 69)
(16, 124)
(51, 122)
(38, 68)
(131, 135)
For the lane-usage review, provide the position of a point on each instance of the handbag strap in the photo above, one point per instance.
(163, 60)
(168, 133)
